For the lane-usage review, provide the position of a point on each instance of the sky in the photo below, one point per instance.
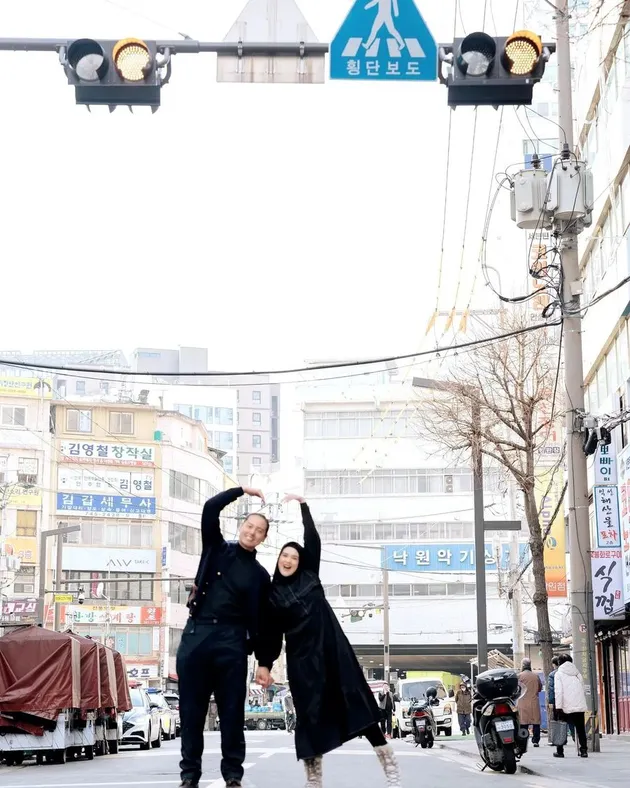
(270, 223)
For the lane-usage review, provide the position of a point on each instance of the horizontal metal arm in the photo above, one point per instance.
(181, 46)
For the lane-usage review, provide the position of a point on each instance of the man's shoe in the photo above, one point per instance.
(537, 744)
(232, 784)
(558, 755)
(189, 784)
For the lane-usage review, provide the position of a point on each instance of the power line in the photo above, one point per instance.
(292, 370)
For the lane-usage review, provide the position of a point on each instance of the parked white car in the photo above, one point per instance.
(415, 689)
(142, 725)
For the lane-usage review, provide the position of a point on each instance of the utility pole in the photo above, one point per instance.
(579, 530)
(386, 665)
(518, 644)
(58, 586)
(480, 541)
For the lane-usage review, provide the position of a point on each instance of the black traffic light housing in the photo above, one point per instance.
(113, 73)
(494, 71)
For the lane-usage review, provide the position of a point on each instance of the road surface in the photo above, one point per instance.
(271, 762)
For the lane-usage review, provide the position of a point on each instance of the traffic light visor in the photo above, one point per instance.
(476, 55)
(522, 53)
(87, 59)
(132, 59)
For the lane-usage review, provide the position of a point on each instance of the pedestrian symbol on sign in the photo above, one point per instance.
(384, 40)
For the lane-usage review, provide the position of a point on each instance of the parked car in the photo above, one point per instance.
(168, 718)
(142, 725)
(172, 698)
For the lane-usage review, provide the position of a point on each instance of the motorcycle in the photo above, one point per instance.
(500, 739)
(423, 720)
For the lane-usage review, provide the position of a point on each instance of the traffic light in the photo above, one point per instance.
(113, 73)
(486, 71)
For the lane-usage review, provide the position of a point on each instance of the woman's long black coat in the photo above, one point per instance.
(333, 701)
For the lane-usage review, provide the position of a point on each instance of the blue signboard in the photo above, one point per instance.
(445, 557)
(384, 40)
(106, 505)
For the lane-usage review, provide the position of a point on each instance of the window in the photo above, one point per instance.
(126, 587)
(79, 386)
(13, 416)
(62, 386)
(360, 424)
(256, 418)
(28, 469)
(256, 396)
(256, 441)
(4, 459)
(228, 464)
(25, 580)
(224, 416)
(224, 440)
(256, 462)
(175, 638)
(130, 641)
(26, 523)
(184, 538)
(105, 386)
(189, 488)
(102, 532)
(399, 532)
(121, 423)
(79, 421)
(385, 481)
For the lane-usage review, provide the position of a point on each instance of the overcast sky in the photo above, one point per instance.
(270, 223)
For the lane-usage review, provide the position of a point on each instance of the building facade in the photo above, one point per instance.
(25, 453)
(391, 509)
(602, 109)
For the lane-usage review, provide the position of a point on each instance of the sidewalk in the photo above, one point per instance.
(609, 767)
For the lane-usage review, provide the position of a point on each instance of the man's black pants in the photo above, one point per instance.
(212, 658)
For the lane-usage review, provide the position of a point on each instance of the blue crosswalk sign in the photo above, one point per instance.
(384, 40)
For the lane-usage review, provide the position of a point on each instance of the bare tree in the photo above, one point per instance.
(514, 383)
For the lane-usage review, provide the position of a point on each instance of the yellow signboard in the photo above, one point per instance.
(63, 599)
(26, 387)
(549, 484)
(24, 547)
(25, 497)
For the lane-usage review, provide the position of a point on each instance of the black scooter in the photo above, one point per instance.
(423, 719)
(500, 739)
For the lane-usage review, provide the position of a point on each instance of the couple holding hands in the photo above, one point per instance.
(236, 610)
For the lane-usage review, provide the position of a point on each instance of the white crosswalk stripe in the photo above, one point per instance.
(354, 45)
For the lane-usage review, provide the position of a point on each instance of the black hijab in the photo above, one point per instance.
(278, 577)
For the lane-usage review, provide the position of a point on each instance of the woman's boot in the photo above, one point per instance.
(389, 763)
(313, 767)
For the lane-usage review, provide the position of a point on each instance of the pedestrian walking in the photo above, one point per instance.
(333, 701)
(463, 701)
(551, 697)
(388, 706)
(529, 703)
(230, 590)
(570, 702)
(212, 715)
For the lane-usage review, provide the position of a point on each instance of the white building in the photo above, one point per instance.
(383, 497)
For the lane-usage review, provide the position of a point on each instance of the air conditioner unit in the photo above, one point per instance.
(448, 484)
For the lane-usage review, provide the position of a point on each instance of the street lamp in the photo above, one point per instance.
(44, 535)
(481, 526)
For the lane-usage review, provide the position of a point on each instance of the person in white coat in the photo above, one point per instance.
(570, 702)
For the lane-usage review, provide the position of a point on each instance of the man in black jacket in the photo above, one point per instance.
(230, 592)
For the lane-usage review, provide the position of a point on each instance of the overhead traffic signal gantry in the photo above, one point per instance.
(499, 71)
(127, 72)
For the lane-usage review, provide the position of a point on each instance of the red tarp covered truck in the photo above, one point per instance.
(51, 696)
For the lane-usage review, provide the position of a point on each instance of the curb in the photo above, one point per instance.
(475, 756)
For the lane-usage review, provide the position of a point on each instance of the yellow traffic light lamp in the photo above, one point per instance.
(522, 53)
(500, 71)
(113, 73)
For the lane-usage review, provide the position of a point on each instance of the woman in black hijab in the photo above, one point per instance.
(333, 701)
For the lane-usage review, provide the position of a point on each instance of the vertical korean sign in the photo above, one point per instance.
(623, 468)
(606, 560)
(549, 484)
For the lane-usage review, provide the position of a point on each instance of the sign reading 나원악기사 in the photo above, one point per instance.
(445, 557)
(88, 452)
